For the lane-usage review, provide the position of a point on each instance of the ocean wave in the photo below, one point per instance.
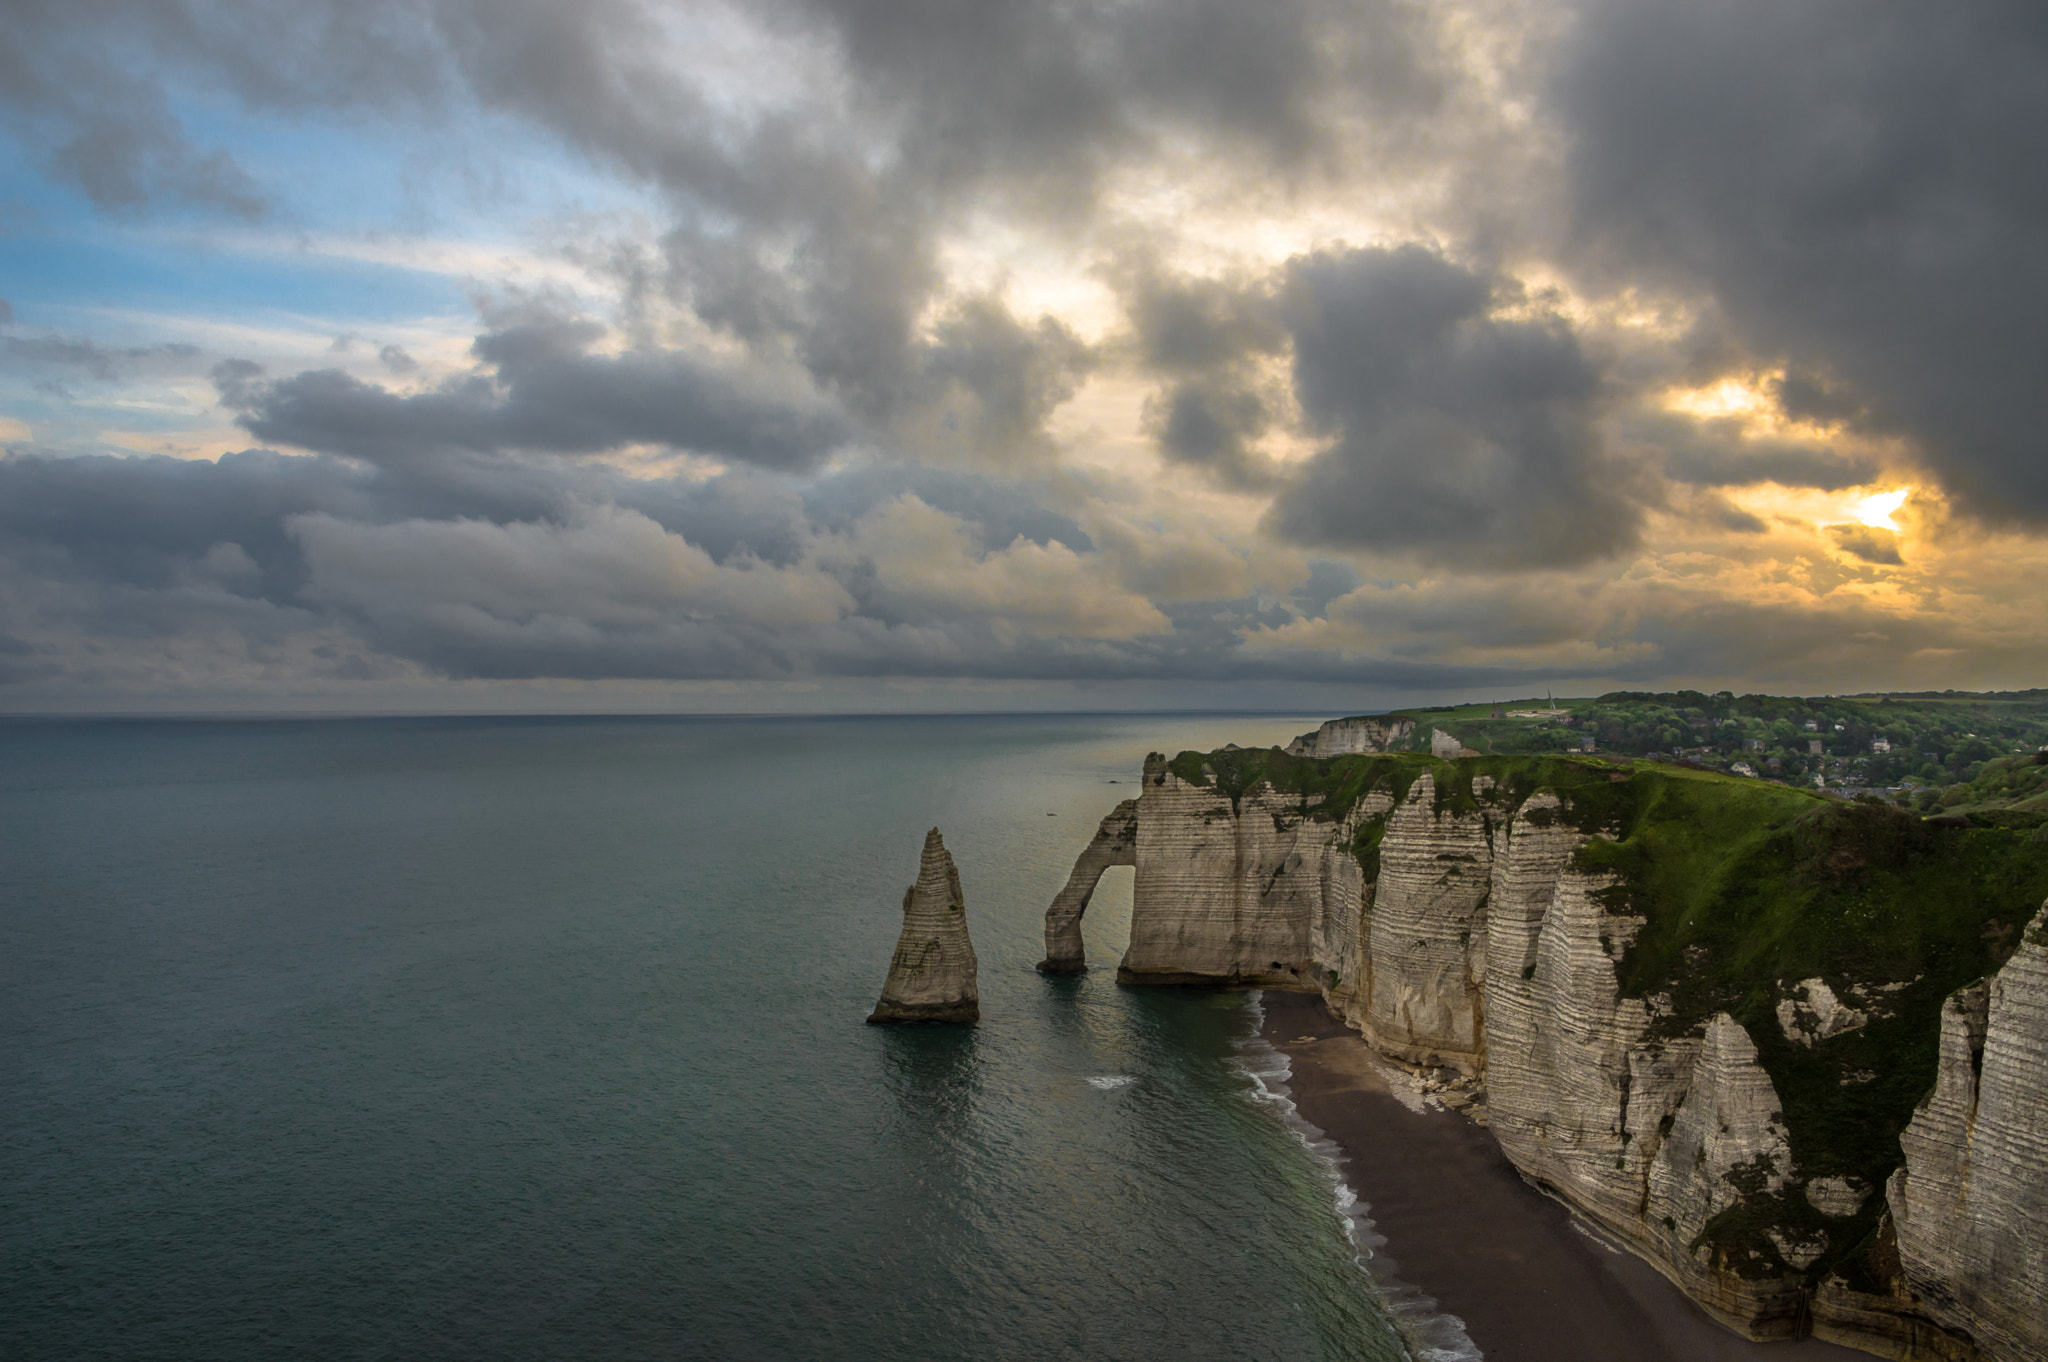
(1110, 1080)
(1431, 1334)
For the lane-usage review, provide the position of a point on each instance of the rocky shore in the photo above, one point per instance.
(1529, 1282)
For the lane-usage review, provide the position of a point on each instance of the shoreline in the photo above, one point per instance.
(1526, 1279)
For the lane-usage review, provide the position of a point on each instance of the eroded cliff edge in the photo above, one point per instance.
(1704, 1011)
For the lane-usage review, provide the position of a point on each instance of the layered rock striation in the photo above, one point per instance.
(932, 973)
(1971, 1201)
(1115, 843)
(1534, 924)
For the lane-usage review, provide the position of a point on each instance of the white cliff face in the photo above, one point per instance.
(1470, 935)
(1639, 1132)
(1346, 737)
(1727, 1144)
(1419, 996)
(1970, 1204)
(1115, 843)
(1223, 894)
(932, 973)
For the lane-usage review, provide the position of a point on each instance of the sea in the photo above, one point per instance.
(543, 1038)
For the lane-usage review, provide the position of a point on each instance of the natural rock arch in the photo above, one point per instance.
(1116, 843)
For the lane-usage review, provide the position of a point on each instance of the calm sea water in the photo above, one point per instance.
(543, 1039)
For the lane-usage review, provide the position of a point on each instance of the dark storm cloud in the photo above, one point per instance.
(1204, 336)
(1454, 435)
(1215, 427)
(546, 392)
(1857, 185)
(1047, 93)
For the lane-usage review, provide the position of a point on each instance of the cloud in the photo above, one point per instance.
(1216, 428)
(1848, 186)
(547, 392)
(915, 565)
(1871, 545)
(105, 364)
(841, 413)
(1454, 435)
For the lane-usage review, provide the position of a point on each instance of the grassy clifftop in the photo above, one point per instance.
(1746, 889)
(1920, 744)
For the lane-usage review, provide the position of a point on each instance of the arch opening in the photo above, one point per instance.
(1115, 843)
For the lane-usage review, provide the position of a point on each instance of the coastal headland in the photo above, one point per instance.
(1786, 1049)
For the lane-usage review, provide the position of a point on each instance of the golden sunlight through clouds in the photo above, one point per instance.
(1876, 511)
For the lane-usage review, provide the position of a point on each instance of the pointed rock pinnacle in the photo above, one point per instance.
(931, 975)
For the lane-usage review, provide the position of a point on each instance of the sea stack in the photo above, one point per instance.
(931, 976)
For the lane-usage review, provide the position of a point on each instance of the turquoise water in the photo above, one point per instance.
(543, 1039)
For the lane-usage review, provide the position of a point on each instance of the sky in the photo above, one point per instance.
(367, 355)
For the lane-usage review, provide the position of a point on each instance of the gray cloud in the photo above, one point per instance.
(1205, 337)
(1869, 544)
(1833, 186)
(1855, 187)
(1013, 375)
(1717, 454)
(1454, 435)
(546, 392)
(1214, 426)
(107, 364)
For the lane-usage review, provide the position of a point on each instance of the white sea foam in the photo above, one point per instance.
(1111, 1081)
(1431, 1334)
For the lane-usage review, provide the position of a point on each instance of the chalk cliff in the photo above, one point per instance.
(1610, 951)
(1971, 1201)
(1345, 737)
(932, 973)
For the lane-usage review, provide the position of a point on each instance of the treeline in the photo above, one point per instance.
(1925, 742)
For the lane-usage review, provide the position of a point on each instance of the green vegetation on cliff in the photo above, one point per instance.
(1924, 743)
(1745, 889)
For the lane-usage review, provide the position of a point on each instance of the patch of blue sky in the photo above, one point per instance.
(105, 280)
(368, 224)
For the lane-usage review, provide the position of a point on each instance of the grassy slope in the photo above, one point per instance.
(1746, 889)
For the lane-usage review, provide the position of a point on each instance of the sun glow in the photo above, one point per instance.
(1729, 397)
(1876, 511)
